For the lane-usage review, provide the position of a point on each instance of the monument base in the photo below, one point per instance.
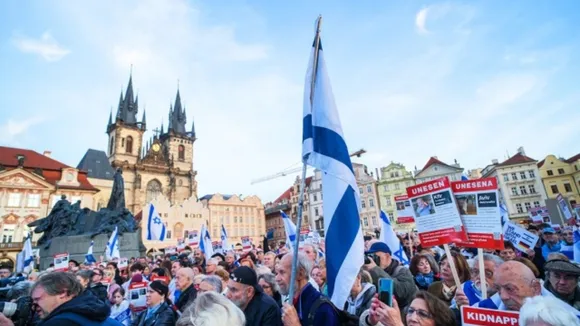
(130, 245)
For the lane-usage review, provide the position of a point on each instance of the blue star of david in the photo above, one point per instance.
(399, 254)
(157, 220)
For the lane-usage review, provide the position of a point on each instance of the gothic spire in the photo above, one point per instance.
(177, 119)
(161, 132)
(110, 118)
(192, 129)
(128, 105)
(120, 107)
(143, 121)
(170, 117)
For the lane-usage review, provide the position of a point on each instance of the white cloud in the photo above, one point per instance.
(46, 46)
(14, 129)
(443, 17)
(421, 20)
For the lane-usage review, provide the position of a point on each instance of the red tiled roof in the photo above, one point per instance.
(517, 159)
(286, 194)
(51, 169)
(541, 163)
(573, 158)
(432, 161)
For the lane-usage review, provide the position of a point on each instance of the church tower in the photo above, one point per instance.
(177, 140)
(124, 131)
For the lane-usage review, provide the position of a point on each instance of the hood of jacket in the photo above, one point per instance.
(85, 304)
(365, 295)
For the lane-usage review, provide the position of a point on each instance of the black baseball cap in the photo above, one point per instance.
(247, 276)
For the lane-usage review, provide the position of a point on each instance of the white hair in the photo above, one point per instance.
(261, 270)
(211, 308)
(214, 281)
(549, 310)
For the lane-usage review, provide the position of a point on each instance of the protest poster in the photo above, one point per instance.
(193, 238)
(137, 293)
(566, 212)
(163, 279)
(540, 215)
(61, 262)
(436, 214)
(557, 227)
(246, 243)
(404, 210)
(123, 263)
(472, 316)
(577, 210)
(478, 205)
(180, 245)
(521, 238)
(217, 247)
(171, 250)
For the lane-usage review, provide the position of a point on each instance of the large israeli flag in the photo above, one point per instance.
(389, 237)
(290, 229)
(112, 250)
(225, 242)
(205, 242)
(155, 226)
(89, 257)
(324, 148)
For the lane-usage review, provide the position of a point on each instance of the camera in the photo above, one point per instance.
(373, 257)
(20, 312)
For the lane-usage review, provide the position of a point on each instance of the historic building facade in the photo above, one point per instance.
(30, 184)
(369, 209)
(159, 167)
(393, 182)
(435, 169)
(561, 176)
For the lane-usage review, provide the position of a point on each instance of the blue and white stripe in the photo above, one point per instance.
(290, 229)
(155, 226)
(225, 242)
(112, 251)
(28, 257)
(89, 257)
(324, 148)
(389, 237)
(205, 242)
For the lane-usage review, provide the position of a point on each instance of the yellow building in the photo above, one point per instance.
(561, 176)
(394, 182)
(241, 217)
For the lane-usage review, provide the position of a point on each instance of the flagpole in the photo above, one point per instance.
(303, 180)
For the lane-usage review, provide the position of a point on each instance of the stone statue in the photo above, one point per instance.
(117, 199)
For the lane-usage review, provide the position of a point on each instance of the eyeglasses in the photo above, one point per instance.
(420, 312)
(475, 273)
(567, 233)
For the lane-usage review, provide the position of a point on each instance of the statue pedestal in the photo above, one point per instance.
(130, 245)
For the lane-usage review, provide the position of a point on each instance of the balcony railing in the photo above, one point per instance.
(13, 245)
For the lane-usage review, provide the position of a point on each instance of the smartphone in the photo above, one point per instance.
(386, 291)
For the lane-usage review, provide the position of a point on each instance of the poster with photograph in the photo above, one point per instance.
(171, 250)
(246, 244)
(163, 279)
(540, 215)
(137, 293)
(436, 215)
(521, 238)
(193, 238)
(123, 263)
(404, 210)
(566, 212)
(180, 245)
(61, 262)
(478, 204)
(217, 247)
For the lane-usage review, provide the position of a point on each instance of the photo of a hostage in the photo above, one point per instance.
(422, 206)
(401, 206)
(466, 204)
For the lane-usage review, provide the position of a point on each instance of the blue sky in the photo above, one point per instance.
(461, 80)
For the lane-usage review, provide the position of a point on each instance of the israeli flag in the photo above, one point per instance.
(290, 229)
(389, 237)
(205, 242)
(112, 250)
(576, 248)
(89, 257)
(28, 257)
(324, 148)
(464, 177)
(225, 245)
(155, 226)
(504, 214)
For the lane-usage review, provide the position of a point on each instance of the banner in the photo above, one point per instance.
(404, 210)
(521, 238)
(193, 238)
(217, 246)
(478, 205)
(61, 262)
(436, 214)
(123, 263)
(246, 244)
(471, 316)
(180, 245)
(137, 293)
(163, 279)
(171, 250)
(564, 207)
(540, 215)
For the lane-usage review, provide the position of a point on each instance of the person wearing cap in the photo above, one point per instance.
(258, 307)
(158, 312)
(380, 264)
(552, 242)
(562, 281)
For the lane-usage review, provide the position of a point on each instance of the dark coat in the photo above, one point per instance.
(263, 310)
(84, 310)
(325, 315)
(404, 287)
(164, 316)
(186, 297)
(100, 291)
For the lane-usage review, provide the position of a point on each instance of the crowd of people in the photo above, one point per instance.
(252, 288)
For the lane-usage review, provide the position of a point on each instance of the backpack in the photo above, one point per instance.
(344, 317)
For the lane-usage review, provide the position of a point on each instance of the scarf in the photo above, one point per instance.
(448, 292)
(424, 280)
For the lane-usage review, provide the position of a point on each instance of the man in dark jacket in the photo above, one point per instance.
(60, 300)
(258, 307)
(184, 283)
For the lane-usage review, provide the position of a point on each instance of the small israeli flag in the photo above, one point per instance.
(112, 250)
(28, 264)
(225, 244)
(290, 229)
(205, 243)
(89, 257)
(155, 226)
(389, 237)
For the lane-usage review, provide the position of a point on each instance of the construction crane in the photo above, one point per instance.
(290, 171)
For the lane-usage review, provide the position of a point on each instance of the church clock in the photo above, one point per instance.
(155, 147)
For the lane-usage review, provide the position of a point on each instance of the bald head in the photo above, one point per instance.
(184, 278)
(515, 282)
(515, 269)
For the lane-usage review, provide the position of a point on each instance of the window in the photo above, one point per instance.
(523, 175)
(536, 204)
(532, 189)
(514, 176)
(374, 220)
(386, 187)
(366, 221)
(129, 147)
(528, 206)
(388, 201)
(168, 234)
(371, 202)
(360, 190)
(241, 219)
(506, 177)
(7, 235)
(408, 184)
(514, 191)
(235, 219)
(178, 229)
(111, 145)
(363, 203)
(554, 189)
(396, 186)
(314, 198)
(33, 200)
(550, 172)
(519, 208)
(14, 199)
(523, 190)
(181, 152)
(567, 187)
(369, 189)
(153, 190)
(531, 174)
(561, 171)
(316, 211)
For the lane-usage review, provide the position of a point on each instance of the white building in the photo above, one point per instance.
(435, 169)
(315, 198)
(520, 185)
